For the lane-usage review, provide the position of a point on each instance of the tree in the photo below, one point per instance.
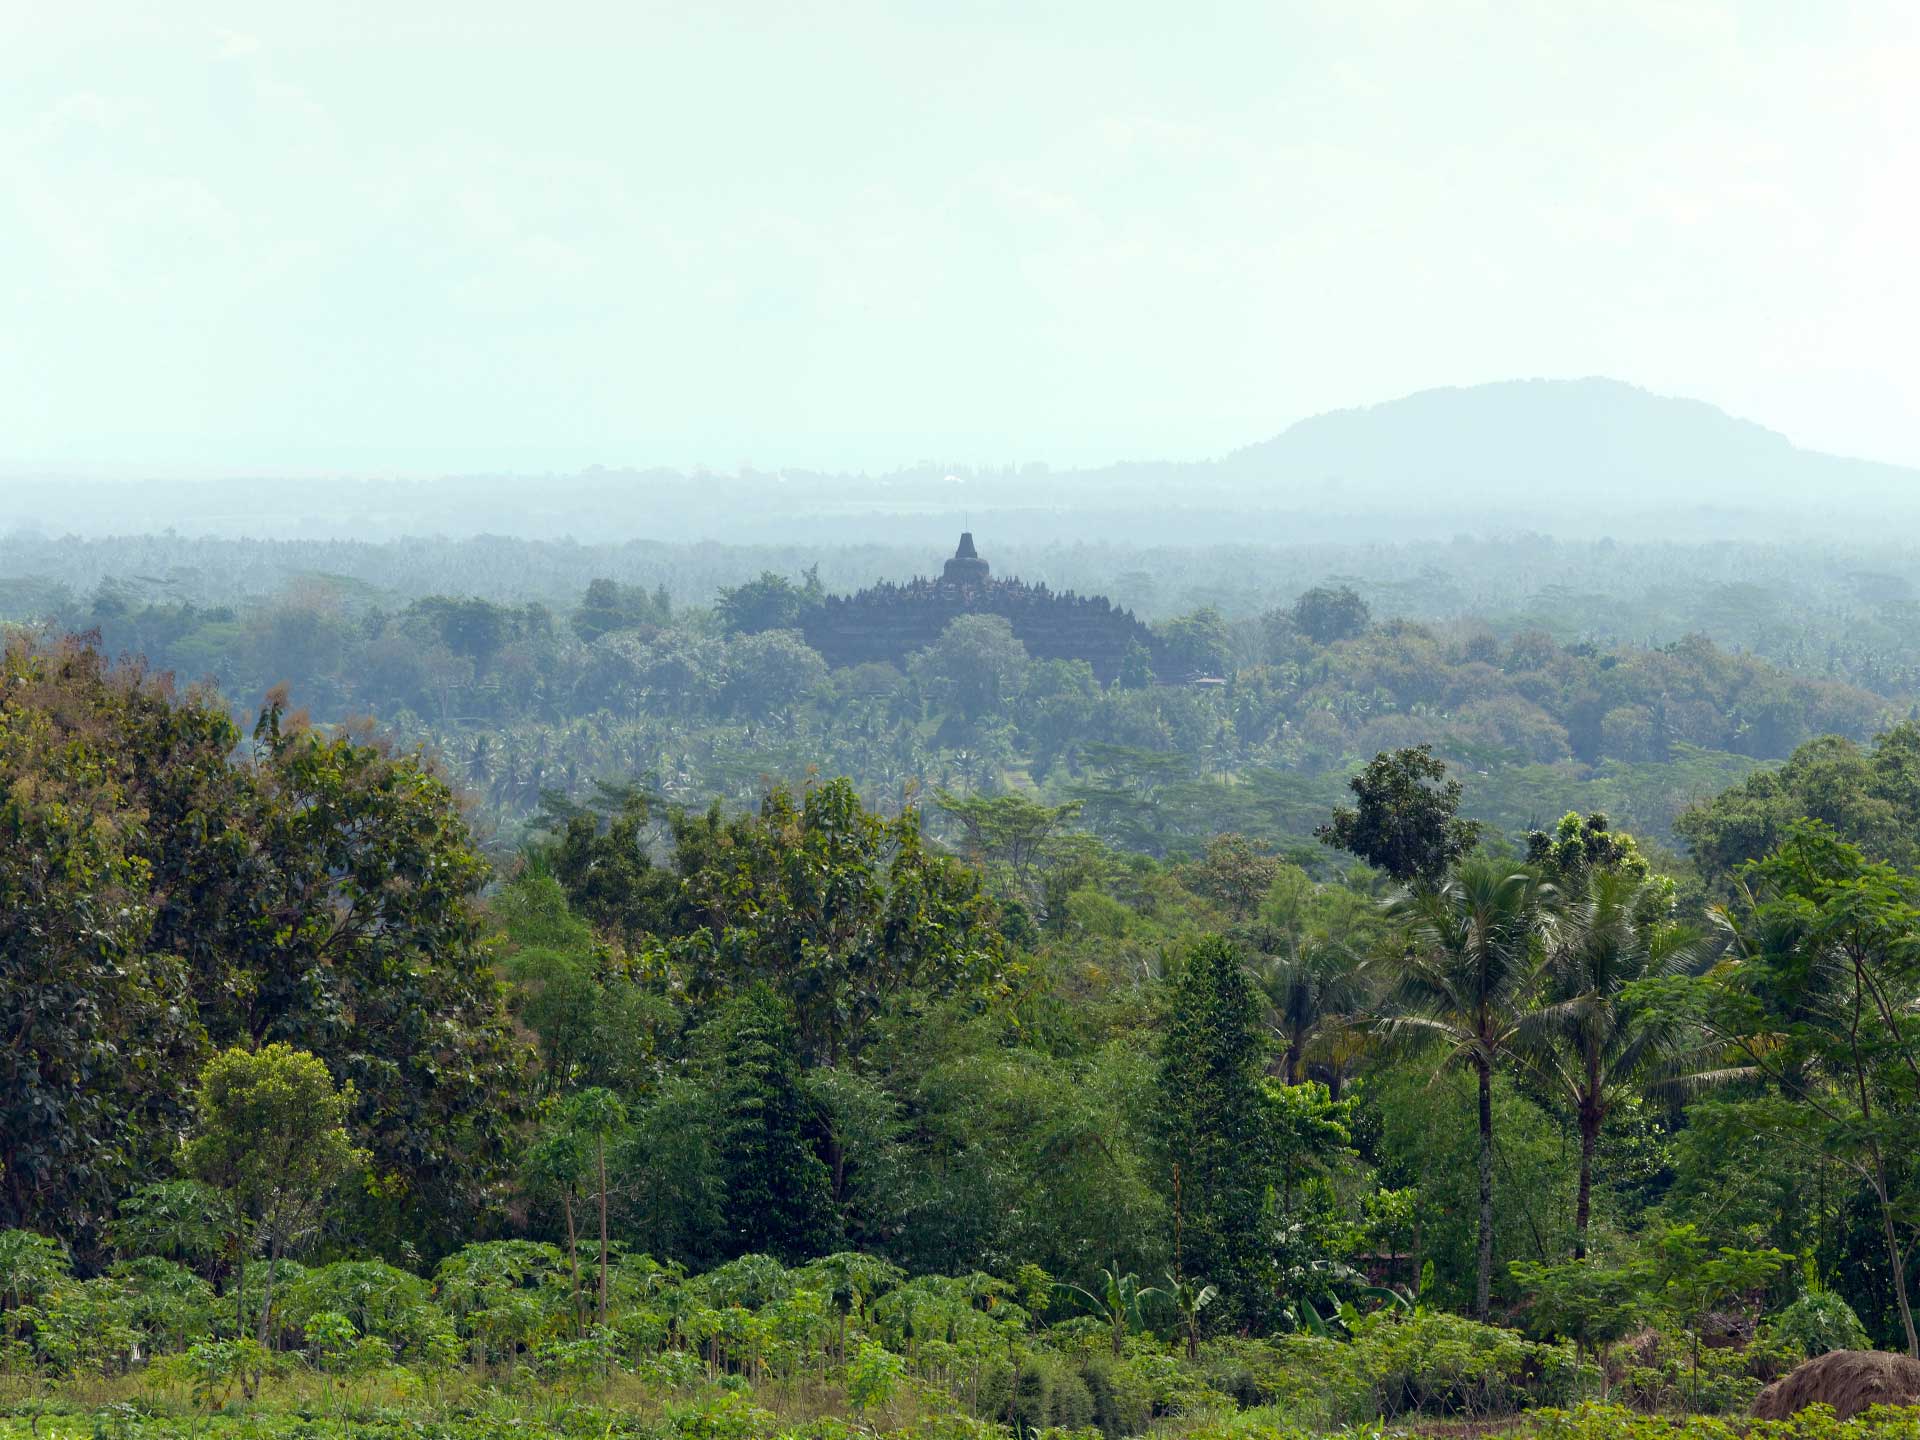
(838, 909)
(1869, 797)
(1313, 989)
(1592, 1305)
(1576, 848)
(1196, 644)
(770, 602)
(597, 1020)
(779, 1193)
(597, 1117)
(609, 878)
(1696, 1277)
(975, 667)
(557, 1164)
(608, 605)
(1327, 614)
(1405, 821)
(1586, 1042)
(1136, 667)
(1008, 832)
(95, 1018)
(1313, 976)
(1215, 1129)
(341, 916)
(1822, 1007)
(1234, 872)
(1469, 978)
(164, 894)
(768, 670)
(272, 1135)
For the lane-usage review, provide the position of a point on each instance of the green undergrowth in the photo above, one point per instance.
(733, 1416)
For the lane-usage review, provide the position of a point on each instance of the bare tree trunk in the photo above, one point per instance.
(1880, 1193)
(1483, 1277)
(239, 1283)
(601, 1158)
(266, 1302)
(1894, 1257)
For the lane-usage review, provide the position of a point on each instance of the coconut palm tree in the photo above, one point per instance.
(1311, 989)
(1585, 1043)
(1474, 954)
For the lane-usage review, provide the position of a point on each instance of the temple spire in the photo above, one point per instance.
(966, 567)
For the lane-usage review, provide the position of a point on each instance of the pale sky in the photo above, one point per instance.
(423, 235)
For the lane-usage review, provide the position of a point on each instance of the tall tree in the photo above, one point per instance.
(840, 910)
(779, 1193)
(1215, 1126)
(1404, 819)
(557, 1165)
(597, 1117)
(770, 602)
(1329, 613)
(334, 908)
(1823, 1006)
(1587, 1042)
(95, 1019)
(975, 668)
(1472, 968)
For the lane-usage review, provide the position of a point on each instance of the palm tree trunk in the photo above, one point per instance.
(1483, 1276)
(1583, 1206)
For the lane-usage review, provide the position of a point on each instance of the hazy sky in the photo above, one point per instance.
(459, 234)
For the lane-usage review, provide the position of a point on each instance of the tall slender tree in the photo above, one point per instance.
(1215, 1125)
(1472, 970)
(597, 1117)
(1586, 1043)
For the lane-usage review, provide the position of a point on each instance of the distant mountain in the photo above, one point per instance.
(1530, 441)
(1569, 457)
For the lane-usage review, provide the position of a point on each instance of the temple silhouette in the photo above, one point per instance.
(888, 622)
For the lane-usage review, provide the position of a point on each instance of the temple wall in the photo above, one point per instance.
(889, 623)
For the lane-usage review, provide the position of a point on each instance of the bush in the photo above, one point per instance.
(1818, 1322)
(1434, 1362)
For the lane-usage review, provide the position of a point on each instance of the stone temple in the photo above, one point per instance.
(888, 622)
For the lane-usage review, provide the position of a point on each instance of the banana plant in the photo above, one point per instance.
(1189, 1298)
(1118, 1301)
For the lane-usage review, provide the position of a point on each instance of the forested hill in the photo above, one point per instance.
(1567, 457)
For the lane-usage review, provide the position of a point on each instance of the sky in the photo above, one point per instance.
(463, 235)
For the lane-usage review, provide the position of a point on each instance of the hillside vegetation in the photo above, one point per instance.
(598, 1012)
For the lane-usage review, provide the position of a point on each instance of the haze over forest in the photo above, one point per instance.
(1549, 457)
